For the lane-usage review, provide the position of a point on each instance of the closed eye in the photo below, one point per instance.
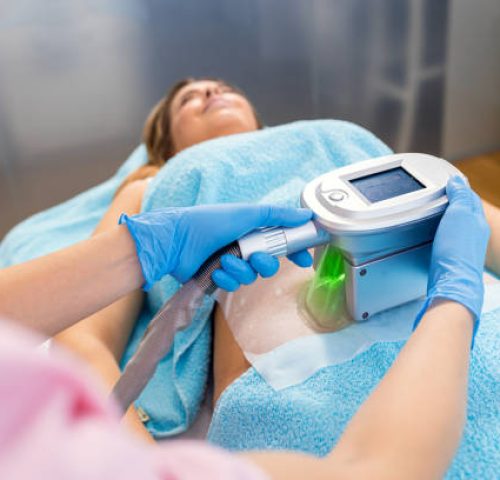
(188, 96)
(228, 89)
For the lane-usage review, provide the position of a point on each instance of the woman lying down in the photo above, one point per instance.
(199, 110)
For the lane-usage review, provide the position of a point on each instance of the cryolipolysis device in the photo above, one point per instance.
(380, 214)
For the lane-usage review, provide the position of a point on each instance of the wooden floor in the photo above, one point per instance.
(483, 173)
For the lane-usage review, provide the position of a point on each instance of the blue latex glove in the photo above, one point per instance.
(458, 252)
(177, 241)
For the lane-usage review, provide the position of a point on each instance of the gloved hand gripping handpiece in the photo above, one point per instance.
(177, 313)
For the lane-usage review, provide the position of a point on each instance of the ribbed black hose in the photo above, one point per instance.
(175, 315)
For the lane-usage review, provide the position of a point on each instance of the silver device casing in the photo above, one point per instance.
(386, 245)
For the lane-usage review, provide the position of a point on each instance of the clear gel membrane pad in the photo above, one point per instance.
(282, 326)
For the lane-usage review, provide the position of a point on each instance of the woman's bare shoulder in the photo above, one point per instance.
(133, 190)
(127, 200)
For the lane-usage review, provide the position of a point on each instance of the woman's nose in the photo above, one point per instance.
(214, 90)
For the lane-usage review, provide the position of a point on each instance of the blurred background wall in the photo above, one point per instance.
(77, 78)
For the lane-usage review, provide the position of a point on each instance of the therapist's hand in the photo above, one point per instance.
(177, 241)
(459, 251)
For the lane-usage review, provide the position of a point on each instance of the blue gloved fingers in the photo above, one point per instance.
(225, 281)
(459, 193)
(264, 264)
(237, 268)
(478, 205)
(275, 216)
(301, 259)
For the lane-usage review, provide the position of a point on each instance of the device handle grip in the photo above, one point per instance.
(203, 276)
(281, 241)
(276, 241)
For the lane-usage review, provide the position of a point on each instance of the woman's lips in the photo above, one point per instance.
(215, 102)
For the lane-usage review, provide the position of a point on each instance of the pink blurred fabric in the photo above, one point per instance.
(55, 423)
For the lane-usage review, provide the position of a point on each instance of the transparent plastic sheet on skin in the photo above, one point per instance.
(294, 304)
(295, 323)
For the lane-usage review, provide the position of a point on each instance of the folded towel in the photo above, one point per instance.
(310, 417)
(66, 223)
(268, 166)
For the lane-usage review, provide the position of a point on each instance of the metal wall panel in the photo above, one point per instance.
(472, 94)
(78, 78)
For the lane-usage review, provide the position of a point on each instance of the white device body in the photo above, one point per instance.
(382, 213)
(340, 206)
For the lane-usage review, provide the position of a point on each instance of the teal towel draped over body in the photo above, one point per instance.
(268, 166)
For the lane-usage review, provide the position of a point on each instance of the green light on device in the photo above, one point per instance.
(331, 269)
(325, 297)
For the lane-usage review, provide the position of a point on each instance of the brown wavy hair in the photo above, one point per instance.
(157, 136)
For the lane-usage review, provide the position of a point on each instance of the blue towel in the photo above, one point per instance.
(66, 223)
(310, 417)
(266, 166)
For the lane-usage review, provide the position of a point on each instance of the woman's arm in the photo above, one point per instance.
(418, 410)
(411, 424)
(101, 338)
(52, 292)
(113, 324)
(493, 254)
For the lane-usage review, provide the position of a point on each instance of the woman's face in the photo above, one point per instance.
(208, 109)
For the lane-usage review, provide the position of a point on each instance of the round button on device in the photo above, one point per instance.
(337, 195)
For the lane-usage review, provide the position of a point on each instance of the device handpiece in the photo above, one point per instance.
(280, 241)
(277, 241)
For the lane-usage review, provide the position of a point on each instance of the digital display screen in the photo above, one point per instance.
(388, 184)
